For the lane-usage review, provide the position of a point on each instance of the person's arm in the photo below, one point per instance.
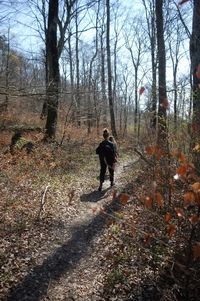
(98, 149)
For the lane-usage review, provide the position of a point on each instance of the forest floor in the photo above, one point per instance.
(63, 240)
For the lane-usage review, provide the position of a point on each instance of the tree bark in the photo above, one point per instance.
(53, 67)
(162, 139)
(195, 66)
(151, 26)
(110, 94)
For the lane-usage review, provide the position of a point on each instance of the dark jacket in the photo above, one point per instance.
(106, 152)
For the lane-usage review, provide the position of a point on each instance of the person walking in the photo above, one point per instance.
(106, 153)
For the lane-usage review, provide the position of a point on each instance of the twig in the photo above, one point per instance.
(143, 157)
(42, 201)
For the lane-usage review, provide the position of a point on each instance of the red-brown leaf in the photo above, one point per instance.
(179, 212)
(196, 250)
(189, 197)
(194, 219)
(148, 202)
(141, 91)
(171, 229)
(124, 198)
(151, 150)
(167, 217)
(159, 199)
(182, 169)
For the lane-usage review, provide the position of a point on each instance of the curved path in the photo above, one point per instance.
(73, 270)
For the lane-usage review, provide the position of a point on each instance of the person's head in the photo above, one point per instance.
(112, 139)
(105, 133)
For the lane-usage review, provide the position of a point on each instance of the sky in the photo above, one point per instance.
(24, 29)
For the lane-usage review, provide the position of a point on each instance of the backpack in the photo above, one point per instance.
(106, 151)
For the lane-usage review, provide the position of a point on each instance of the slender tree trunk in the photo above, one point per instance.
(195, 69)
(110, 94)
(71, 75)
(162, 114)
(7, 71)
(53, 67)
(136, 101)
(44, 107)
(175, 96)
(151, 25)
(103, 81)
(78, 110)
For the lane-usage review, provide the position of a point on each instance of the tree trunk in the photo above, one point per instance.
(162, 113)
(103, 80)
(195, 67)
(151, 26)
(53, 67)
(78, 110)
(110, 95)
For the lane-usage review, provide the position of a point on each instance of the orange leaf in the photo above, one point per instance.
(171, 229)
(151, 150)
(189, 197)
(148, 202)
(124, 198)
(167, 217)
(181, 157)
(179, 212)
(159, 199)
(159, 154)
(196, 186)
(194, 219)
(182, 169)
(196, 250)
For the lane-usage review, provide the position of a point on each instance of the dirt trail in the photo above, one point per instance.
(73, 270)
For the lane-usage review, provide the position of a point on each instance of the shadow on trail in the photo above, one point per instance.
(35, 285)
(93, 196)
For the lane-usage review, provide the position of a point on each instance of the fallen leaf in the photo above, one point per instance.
(179, 212)
(148, 202)
(159, 199)
(196, 250)
(196, 186)
(167, 217)
(182, 169)
(189, 197)
(124, 198)
(171, 229)
(193, 219)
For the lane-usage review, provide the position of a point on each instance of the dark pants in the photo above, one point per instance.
(103, 172)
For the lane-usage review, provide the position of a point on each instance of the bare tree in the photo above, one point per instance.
(135, 45)
(195, 69)
(149, 6)
(163, 102)
(110, 94)
(53, 71)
